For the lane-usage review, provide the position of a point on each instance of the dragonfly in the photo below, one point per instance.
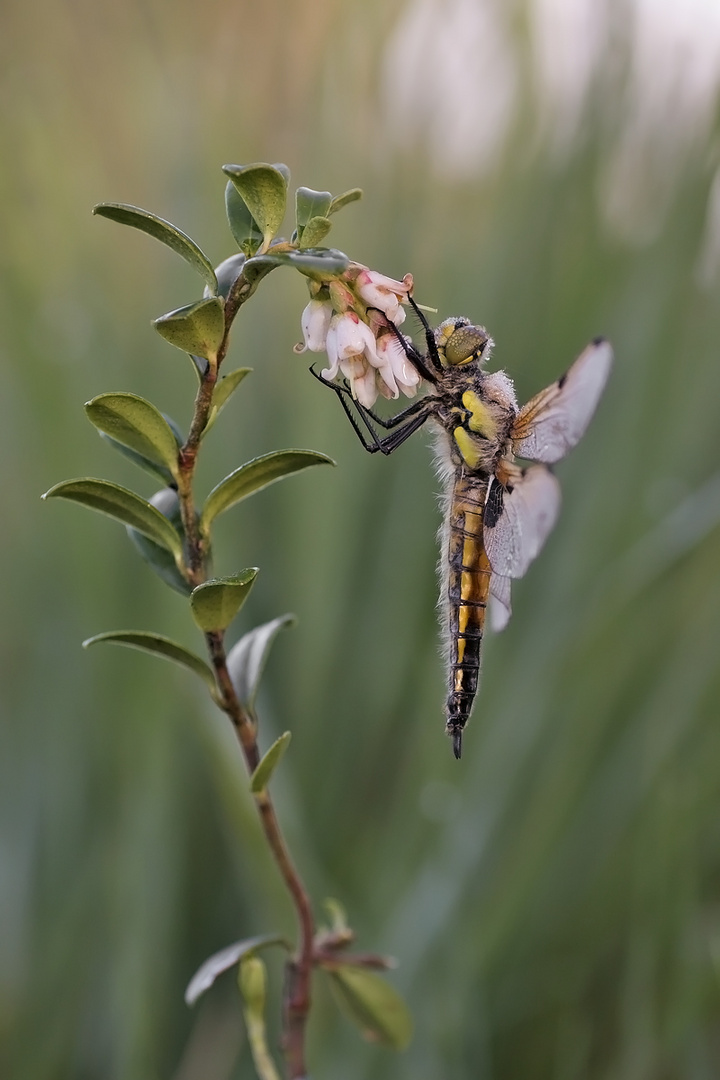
(497, 512)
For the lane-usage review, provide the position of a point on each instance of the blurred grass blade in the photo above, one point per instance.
(165, 232)
(123, 505)
(268, 763)
(223, 391)
(137, 424)
(372, 1004)
(254, 476)
(159, 646)
(252, 983)
(246, 660)
(226, 958)
(216, 603)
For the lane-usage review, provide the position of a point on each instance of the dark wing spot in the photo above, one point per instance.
(599, 340)
(561, 381)
(494, 505)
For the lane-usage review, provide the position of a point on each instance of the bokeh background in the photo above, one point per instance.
(546, 167)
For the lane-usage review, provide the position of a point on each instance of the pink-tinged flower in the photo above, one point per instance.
(384, 293)
(350, 345)
(315, 322)
(394, 361)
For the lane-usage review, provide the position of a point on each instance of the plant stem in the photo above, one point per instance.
(296, 999)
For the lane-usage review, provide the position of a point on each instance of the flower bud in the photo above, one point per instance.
(315, 322)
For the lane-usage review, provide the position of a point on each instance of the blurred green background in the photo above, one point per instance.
(548, 169)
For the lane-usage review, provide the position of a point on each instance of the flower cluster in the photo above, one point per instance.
(348, 318)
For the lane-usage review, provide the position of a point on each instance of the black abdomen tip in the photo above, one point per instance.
(457, 743)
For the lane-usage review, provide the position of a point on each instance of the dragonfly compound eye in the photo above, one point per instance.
(464, 344)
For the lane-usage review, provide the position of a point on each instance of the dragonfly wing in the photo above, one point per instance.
(500, 607)
(555, 419)
(518, 521)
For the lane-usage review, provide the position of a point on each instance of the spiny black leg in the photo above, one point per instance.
(432, 349)
(386, 422)
(414, 355)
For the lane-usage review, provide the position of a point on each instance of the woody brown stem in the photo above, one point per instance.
(296, 1001)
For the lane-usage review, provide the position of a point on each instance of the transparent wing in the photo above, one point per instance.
(500, 607)
(555, 419)
(522, 519)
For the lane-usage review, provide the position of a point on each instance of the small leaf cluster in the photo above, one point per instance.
(364, 996)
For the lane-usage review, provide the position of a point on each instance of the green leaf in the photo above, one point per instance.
(371, 1003)
(268, 763)
(310, 204)
(165, 232)
(338, 916)
(264, 191)
(226, 958)
(318, 263)
(158, 558)
(243, 226)
(215, 603)
(134, 422)
(315, 232)
(158, 471)
(159, 646)
(254, 476)
(197, 328)
(283, 170)
(345, 199)
(123, 505)
(228, 272)
(246, 660)
(223, 392)
(252, 983)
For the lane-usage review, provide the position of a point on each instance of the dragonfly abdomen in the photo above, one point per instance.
(468, 588)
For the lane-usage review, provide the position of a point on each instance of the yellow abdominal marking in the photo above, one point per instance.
(470, 451)
(481, 419)
(470, 587)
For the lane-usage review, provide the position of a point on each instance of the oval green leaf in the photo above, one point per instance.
(268, 763)
(315, 232)
(157, 558)
(197, 328)
(345, 199)
(165, 232)
(254, 476)
(246, 660)
(243, 226)
(228, 272)
(263, 189)
(283, 170)
(159, 646)
(123, 505)
(223, 391)
(372, 1004)
(151, 467)
(137, 424)
(320, 263)
(215, 603)
(226, 958)
(310, 204)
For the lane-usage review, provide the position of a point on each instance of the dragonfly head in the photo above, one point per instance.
(459, 342)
